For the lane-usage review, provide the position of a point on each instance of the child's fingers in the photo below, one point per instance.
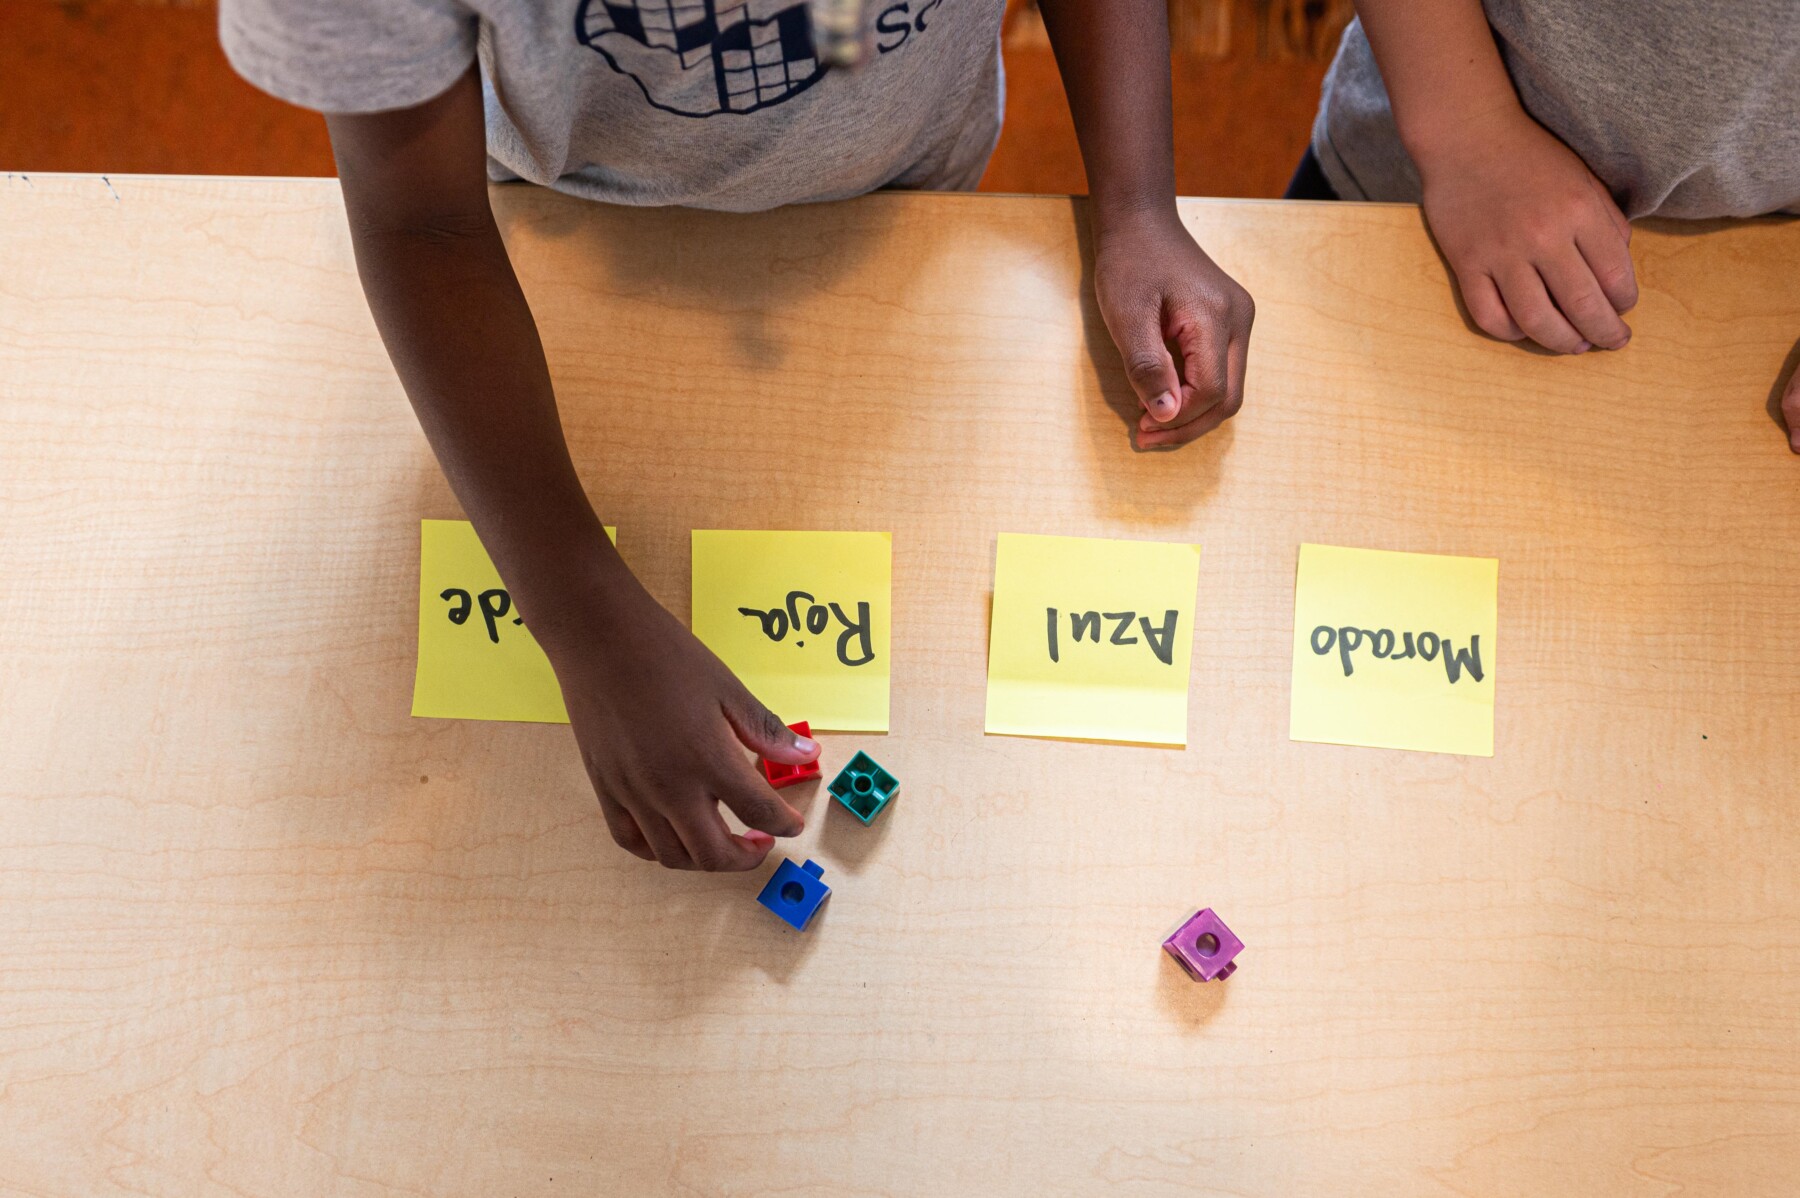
(1610, 260)
(1481, 296)
(754, 801)
(1237, 354)
(1529, 304)
(710, 844)
(664, 841)
(761, 730)
(1579, 298)
(1148, 364)
(625, 831)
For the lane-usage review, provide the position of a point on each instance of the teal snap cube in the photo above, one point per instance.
(863, 787)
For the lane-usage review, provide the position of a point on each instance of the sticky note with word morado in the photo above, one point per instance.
(1091, 638)
(1395, 650)
(477, 660)
(802, 619)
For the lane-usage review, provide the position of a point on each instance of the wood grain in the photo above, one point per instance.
(264, 934)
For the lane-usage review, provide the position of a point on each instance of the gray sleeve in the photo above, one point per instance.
(349, 55)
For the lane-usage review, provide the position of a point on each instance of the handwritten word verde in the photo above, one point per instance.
(494, 606)
(1086, 624)
(1382, 644)
(813, 619)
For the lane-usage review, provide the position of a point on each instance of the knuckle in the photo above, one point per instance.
(1143, 362)
(708, 859)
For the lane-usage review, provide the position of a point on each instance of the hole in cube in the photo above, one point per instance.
(793, 892)
(863, 784)
(1206, 944)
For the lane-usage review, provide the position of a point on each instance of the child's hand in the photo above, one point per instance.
(1538, 247)
(1155, 286)
(660, 720)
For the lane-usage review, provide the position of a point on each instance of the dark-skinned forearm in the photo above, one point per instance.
(1114, 59)
(463, 341)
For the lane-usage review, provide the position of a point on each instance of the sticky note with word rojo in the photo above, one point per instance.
(1395, 650)
(802, 618)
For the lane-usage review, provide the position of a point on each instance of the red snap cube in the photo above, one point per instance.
(780, 775)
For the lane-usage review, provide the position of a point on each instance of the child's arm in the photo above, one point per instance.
(658, 717)
(1538, 247)
(1153, 283)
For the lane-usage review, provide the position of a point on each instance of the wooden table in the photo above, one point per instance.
(261, 933)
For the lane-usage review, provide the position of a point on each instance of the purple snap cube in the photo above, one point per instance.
(1204, 947)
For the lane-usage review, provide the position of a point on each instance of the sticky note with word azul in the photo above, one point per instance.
(802, 619)
(1395, 650)
(477, 661)
(1092, 639)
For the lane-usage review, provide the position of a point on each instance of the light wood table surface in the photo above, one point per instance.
(262, 933)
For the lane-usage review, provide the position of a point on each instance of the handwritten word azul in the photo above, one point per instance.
(1087, 623)
(1381, 644)
(814, 620)
(494, 606)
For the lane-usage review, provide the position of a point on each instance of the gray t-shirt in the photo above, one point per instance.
(704, 103)
(1683, 108)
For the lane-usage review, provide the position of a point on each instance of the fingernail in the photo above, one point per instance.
(761, 840)
(806, 744)
(1163, 406)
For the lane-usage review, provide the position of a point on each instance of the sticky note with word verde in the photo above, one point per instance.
(477, 660)
(1395, 650)
(802, 619)
(1091, 638)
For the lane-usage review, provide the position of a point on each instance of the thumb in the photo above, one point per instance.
(1150, 367)
(762, 732)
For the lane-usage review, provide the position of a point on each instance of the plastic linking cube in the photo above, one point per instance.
(794, 892)
(863, 787)
(780, 775)
(1205, 947)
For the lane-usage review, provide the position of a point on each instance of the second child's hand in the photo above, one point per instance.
(1537, 245)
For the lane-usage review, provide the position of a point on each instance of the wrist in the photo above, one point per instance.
(567, 598)
(1112, 215)
(1458, 133)
(1460, 137)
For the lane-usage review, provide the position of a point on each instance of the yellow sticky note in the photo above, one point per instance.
(802, 619)
(1395, 650)
(1092, 639)
(477, 661)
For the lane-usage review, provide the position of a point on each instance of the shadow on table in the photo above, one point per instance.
(1193, 1004)
(1782, 378)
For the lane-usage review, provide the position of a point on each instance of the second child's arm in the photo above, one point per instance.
(658, 718)
(1538, 247)
(1154, 285)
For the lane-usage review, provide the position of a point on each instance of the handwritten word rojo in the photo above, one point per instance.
(1382, 643)
(812, 620)
(494, 606)
(1086, 624)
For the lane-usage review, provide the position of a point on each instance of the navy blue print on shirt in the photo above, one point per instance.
(700, 58)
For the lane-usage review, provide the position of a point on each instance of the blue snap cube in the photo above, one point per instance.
(794, 892)
(863, 787)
